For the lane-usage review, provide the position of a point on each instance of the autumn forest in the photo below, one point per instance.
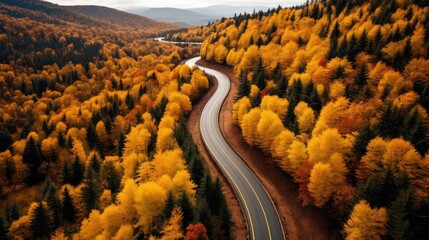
(94, 118)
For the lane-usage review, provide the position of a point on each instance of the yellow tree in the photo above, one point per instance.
(275, 104)
(281, 144)
(125, 232)
(371, 162)
(269, 126)
(320, 186)
(149, 201)
(239, 109)
(165, 140)
(91, 226)
(321, 147)
(248, 125)
(366, 223)
(101, 131)
(172, 229)
(137, 141)
(296, 155)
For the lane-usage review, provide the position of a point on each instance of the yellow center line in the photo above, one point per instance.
(247, 180)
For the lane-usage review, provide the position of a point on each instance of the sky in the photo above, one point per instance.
(129, 4)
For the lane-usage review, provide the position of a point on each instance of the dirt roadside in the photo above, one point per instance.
(298, 221)
(238, 229)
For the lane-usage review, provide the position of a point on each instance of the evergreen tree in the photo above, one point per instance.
(362, 76)
(10, 170)
(362, 140)
(398, 215)
(363, 41)
(61, 139)
(342, 48)
(188, 213)
(5, 140)
(95, 164)
(352, 48)
(54, 205)
(111, 177)
(390, 121)
(91, 191)
(205, 217)
(40, 222)
(259, 75)
(197, 170)
(243, 88)
(3, 229)
(158, 111)
(378, 190)
(68, 208)
(121, 144)
(414, 130)
(32, 157)
(70, 142)
(406, 54)
(225, 216)
(12, 213)
(129, 101)
(168, 207)
(77, 175)
(67, 174)
(216, 198)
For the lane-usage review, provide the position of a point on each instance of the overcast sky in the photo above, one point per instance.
(127, 4)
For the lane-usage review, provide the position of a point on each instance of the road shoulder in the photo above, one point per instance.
(238, 229)
(299, 222)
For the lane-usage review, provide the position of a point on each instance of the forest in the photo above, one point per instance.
(337, 91)
(93, 136)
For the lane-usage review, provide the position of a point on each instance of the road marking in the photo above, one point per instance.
(248, 182)
(242, 174)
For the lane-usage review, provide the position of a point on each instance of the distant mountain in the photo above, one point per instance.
(175, 15)
(117, 17)
(88, 16)
(220, 11)
(194, 16)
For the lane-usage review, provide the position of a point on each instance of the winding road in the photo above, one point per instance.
(262, 219)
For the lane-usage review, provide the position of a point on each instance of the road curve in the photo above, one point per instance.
(261, 216)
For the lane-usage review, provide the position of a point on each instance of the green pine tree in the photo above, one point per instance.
(243, 88)
(54, 205)
(187, 210)
(77, 175)
(91, 191)
(362, 140)
(398, 216)
(111, 177)
(40, 222)
(95, 164)
(259, 75)
(121, 144)
(168, 207)
(67, 174)
(205, 217)
(68, 208)
(32, 157)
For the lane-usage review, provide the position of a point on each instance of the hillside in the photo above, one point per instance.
(118, 17)
(336, 92)
(175, 15)
(88, 16)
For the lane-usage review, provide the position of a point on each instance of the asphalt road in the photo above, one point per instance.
(261, 216)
